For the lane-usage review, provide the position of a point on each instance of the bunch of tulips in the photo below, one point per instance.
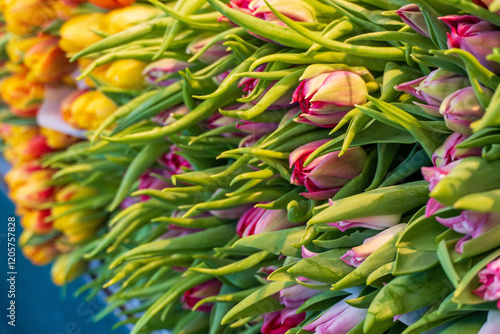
(263, 166)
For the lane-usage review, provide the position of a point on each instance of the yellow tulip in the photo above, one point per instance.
(57, 140)
(40, 254)
(126, 73)
(22, 95)
(89, 110)
(121, 19)
(76, 33)
(36, 221)
(62, 273)
(25, 17)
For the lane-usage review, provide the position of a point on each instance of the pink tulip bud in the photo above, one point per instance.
(448, 152)
(258, 220)
(490, 280)
(470, 223)
(327, 97)
(461, 108)
(354, 257)
(199, 292)
(174, 162)
(326, 174)
(339, 319)
(154, 72)
(434, 88)
(433, 175)
(374, 222)
(413, 17)
(150, 181)
(476, 36)
(296, 295)
(280, 322)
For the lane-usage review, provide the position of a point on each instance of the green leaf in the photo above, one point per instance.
(409, 261)
(354, 239)
(277, 242)
(322, 301)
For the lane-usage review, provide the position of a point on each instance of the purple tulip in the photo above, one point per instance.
(355, 256)
(258, 220)
(277, 323)
(434, 88)
(448, 152)
(476, 36)
(327, 97)
(326, 174)
(174, 162)
(433, 175)
(154, 72)
(470, 223)
(489, 277)
(461, 108)
(339, 319)
(192, 296)
(212, 54)
(293, 297)
(413, 17)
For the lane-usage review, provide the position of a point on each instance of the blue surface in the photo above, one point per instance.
(40, 306)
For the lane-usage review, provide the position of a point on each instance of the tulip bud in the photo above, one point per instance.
(121, 19)
(156, 71)
(192, 296)
(470, 223)
(57, 140)
(258, 220)
(36, 221)
(89, 110)
(461, 108)
(174, 162)
(339, 319)
(433, 175)
(212, 54)
(281, 321)
(448, 152)
(471, 34)
(354, 257)
(46, 61)
(40, 254)
(110, 4)
(296, 295)
(28, 149)
(17, 46)
(60, 272)
(150, 181)
(489, 277)
(22, 95)
(434, 88)
(327, 97)
(25, 17)
(19, 174)
(297, 10)
(413, 17)
(374, 222)
(37, 190)
(326, 174)
(76, 33)
(126, 73)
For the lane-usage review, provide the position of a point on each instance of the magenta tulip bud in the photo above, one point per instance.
(192, 296)
(154, 72)
(149, 181)
(258, 220)
(354, 257)
(339, 319)
(326, 174)
(461, 108)
(280, 322)
(470, 223)
(174, 162)
(434, 88)
(212, 54)
(490, 280)
(413, 17)
(294, 296)
(297, 10)
(433, 175)
(448, 152)
(476, 36)
(327, 97)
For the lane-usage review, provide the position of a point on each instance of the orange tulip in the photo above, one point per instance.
(23, 96)
(18, 175)
(36, 191)
(25, 17)
(47, 62)
(89, 110)
(110, 4)
(76, 33)
(40, 254)
(57, 140)
(36, 221)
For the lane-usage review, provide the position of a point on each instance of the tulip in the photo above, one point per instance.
(212, 54)
(23, 96)
(276, 323)
(74, 191)
(339, 319)
(297, 10)
(65, 9)
(126, 73)
(155, 72)
(76, 33)
(192, 296)
(489, 277)
(57, 140)
(171, 115)
(433, 175)
(326, 174)
(175, 231)
(492, 323)
(46, 61)
(327, 97)
(89, 110)
(413, 17)
(149, 181)
(25, 17)
(258, 220)
(110, 4)
(174, 162)
(29, 149)
(17, 46)
(434, 88)
(36, 221)
(374, 222)
(296, 295)
(128, 202)
(475, 36)
(355, 256)
(121, 19)
(470, 223)
(99, 73)
(448, 152)
(461, 108)
(19, 175)
(40, 254)
(37, 190)
(60, 272)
